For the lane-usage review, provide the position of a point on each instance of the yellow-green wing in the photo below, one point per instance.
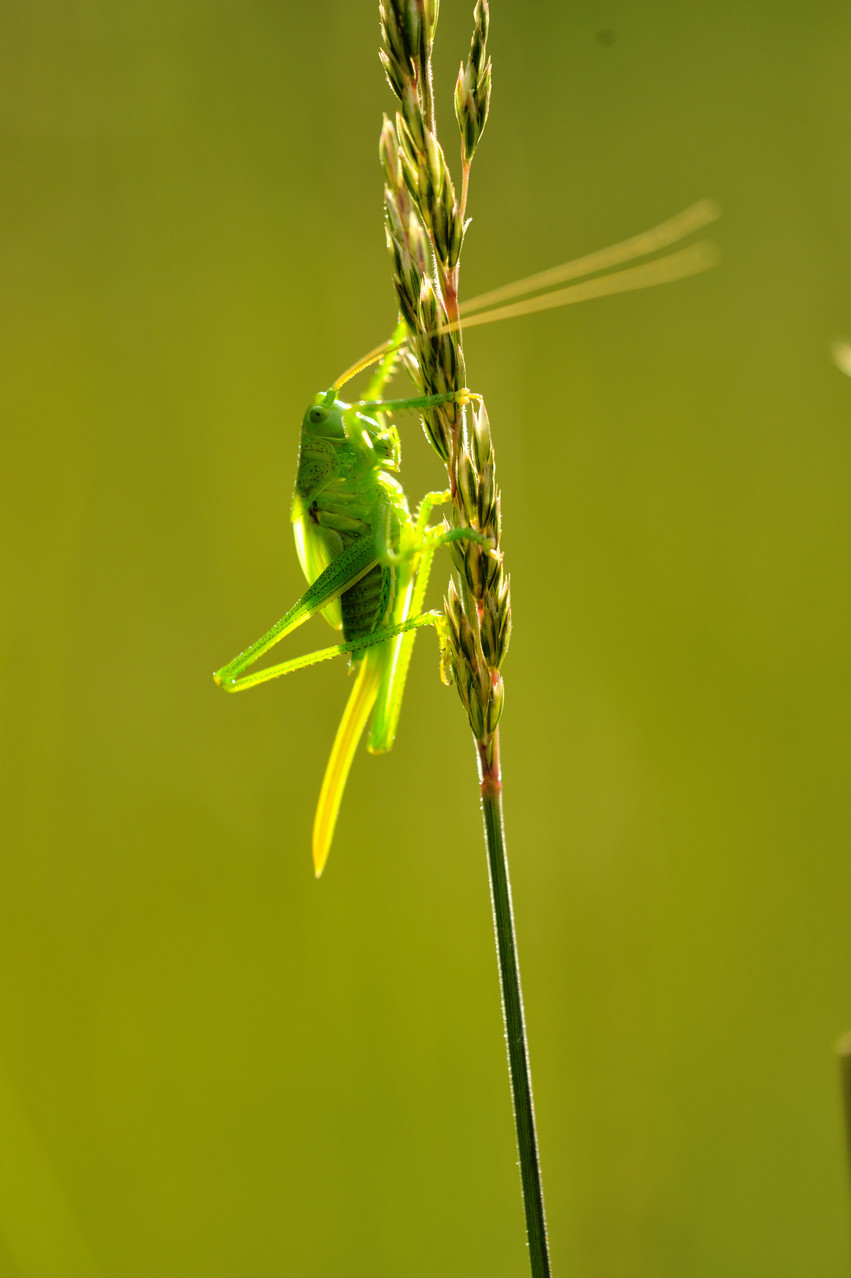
(317, 548)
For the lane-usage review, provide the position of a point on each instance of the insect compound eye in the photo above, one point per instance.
(325, 421)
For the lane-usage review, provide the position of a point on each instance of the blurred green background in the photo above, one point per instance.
(209, 1063)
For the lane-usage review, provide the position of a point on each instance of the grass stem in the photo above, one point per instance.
(512, 1007)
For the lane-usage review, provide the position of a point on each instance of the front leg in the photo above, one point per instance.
(462, 397)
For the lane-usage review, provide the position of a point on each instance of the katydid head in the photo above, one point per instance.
(337, 423)
(324, 418)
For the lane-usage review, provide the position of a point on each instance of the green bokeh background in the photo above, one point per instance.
(209, 1063)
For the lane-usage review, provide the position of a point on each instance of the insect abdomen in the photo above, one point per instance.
(366, 604)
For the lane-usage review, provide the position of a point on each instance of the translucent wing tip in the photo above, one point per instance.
(320, 856)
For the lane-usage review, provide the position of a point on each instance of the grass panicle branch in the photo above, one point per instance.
(425, 228)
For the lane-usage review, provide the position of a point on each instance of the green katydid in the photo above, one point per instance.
(366, 558)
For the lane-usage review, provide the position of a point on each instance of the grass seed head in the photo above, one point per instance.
(425, 234)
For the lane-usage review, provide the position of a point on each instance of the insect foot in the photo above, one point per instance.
(446, 675)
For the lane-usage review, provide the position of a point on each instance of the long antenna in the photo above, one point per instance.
(487, 307)
(675, 266)
(662, 236)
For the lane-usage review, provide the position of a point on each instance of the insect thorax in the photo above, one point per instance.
(345, 491)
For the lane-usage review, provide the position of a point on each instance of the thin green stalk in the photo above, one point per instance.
(490, 782)
(425, 232)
